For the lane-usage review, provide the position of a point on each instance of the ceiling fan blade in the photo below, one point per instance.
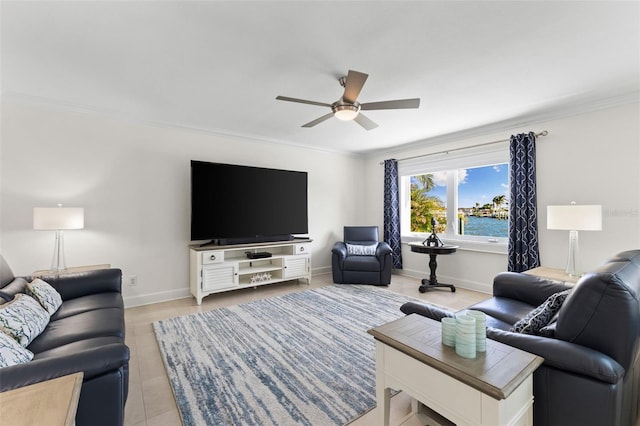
(353, 85)
(302, 101)
(365, 122)
(397, 104)
(318, 120)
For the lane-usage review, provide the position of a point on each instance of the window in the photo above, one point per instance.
(467, 194)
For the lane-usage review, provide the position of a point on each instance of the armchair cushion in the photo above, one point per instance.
(361, 250)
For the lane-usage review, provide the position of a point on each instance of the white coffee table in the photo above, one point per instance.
(495, 388)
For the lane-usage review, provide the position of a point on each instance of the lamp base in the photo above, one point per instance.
(57, 263)
(573, 266)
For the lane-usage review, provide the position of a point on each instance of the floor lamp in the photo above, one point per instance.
(574, 218)
(58, 219)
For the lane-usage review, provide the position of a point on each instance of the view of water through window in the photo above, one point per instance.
(483, 204)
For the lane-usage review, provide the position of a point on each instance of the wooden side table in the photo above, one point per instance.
(53, 402)
(433, 252)
(71, 270)
(494, 389)
(553, 274)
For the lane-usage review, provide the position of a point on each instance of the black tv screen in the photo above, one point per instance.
(237, 202)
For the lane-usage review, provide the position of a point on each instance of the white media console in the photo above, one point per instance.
(214, 269)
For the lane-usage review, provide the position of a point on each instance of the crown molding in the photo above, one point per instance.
(525, 120)
(66, 106)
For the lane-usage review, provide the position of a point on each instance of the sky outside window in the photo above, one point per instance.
(478, 185)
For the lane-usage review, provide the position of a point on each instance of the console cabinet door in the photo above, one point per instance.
(219, 276)
(296, 266)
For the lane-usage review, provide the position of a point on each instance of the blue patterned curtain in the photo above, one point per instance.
(523, 251)
(392, 211)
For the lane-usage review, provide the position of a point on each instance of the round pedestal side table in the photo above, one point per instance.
(433, 252)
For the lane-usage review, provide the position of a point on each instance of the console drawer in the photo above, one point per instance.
(302, 249)
(213, 256)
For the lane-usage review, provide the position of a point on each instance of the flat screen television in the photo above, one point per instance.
(233, 204)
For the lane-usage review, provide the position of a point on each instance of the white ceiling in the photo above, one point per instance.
(218, 66)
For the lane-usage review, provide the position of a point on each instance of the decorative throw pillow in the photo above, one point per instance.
(23, 319)
(11, 353)
(46, 295)
(360, 250)
(548, 330)
(538, 318)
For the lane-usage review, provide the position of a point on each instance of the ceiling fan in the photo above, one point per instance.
(348, 108)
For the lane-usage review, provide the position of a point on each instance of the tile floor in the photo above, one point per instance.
(150, 401)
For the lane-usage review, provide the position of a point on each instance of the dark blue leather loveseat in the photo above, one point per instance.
(591, 369)
(85, 334)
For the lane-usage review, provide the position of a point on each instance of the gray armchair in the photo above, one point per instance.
(360, 258)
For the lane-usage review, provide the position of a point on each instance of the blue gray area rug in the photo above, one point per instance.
(304, 358)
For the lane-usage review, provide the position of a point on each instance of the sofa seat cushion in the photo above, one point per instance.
(98, 323)
(88, 303)
(508, 311)
(361, 263)
(77, 346)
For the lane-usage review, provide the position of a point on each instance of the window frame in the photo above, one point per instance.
(464, 158)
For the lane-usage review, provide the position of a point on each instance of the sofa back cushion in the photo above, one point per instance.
(362, 235)
(603, 311)
(6, 274)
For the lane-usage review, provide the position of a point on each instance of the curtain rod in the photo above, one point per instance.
(542, 133)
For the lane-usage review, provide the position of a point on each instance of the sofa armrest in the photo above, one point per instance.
(340, 249)
(80, 284)
(426, 310)
(93, 362)
(383, 249)
(525, 288)
(563, 355)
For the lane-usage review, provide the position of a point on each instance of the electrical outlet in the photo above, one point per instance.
(133, 280)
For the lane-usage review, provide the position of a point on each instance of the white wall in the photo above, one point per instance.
(591, 158)
(133, 181)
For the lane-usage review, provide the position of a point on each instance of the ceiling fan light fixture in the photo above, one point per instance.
(346, 112)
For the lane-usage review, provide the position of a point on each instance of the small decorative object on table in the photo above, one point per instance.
(433, 240)
(448, 331)
(481, 329)
(259, 278)
(466, 336)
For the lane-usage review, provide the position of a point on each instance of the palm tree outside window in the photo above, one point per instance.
(474, 199)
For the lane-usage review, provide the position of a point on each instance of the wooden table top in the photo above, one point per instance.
(421, 248)
(496, 372)
(52, 403)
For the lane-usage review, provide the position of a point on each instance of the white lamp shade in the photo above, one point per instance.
(58, 218)
(575, 217)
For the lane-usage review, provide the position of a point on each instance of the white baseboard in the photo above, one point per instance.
(182, 293)
(320, 271)
(161, 296)
(466, 284)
